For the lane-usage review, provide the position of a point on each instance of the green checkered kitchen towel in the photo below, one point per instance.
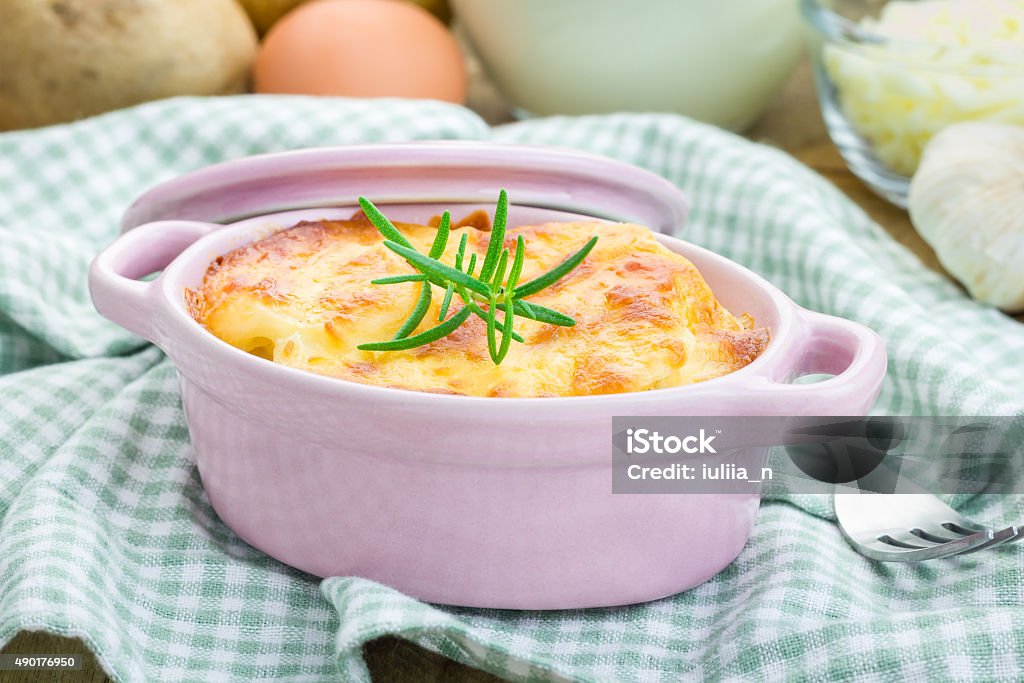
(106, 533)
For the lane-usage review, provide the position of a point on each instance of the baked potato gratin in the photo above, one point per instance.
(645, 318)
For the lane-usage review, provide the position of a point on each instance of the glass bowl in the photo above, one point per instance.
(883, 97)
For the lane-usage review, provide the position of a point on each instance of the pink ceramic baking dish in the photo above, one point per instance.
(459, 500)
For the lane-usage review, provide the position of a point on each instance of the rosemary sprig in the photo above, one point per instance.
(429, 266)
(433, 334)
(418, 313)
(557, 273)
(489, 287)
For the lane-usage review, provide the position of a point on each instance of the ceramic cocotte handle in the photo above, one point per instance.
(822, 344)
(118, 293)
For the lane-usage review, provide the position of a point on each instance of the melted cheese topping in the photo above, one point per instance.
(645, 318)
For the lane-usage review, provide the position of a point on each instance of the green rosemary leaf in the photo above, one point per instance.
(517, 264)
(497, 237)
(481, 313)
(509, 299)
(506, 340)
(460, 254)
(552, 317)
(540, 313)
(418, 313)
(492, 324)
(386, 227)
(395, 279)
(517, 338)
(555, 274)
(526, 308)
(467, 297)
(499, 272)
(433, 334)
(441, 238)
(447, 301)
(506, 329)
(429, 266)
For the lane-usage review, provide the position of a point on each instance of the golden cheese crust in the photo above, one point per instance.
(645, 318)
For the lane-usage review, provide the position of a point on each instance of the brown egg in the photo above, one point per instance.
(361, 48)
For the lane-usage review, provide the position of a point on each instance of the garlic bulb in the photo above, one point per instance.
(967, 201)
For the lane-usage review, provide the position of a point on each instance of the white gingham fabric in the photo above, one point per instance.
(106, 533)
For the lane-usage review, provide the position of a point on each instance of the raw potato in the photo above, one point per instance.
(62, 60)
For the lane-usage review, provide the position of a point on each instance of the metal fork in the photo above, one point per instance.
(912, 527)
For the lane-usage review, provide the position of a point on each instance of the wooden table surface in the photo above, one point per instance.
(792, 123)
